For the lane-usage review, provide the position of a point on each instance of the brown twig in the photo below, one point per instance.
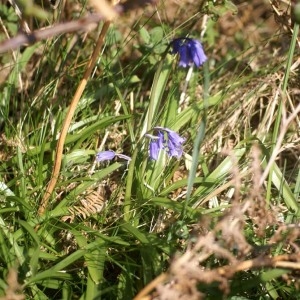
(72, 26)
(41, 34)
(149, 287)
(67, 122)
(286, 261)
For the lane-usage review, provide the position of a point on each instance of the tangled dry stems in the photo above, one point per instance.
(223, 251)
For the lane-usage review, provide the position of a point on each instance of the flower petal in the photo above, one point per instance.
(176, 44)
(190, 51)
(184, 56)
(174, 141)
(174, 137)
(153, 150)
(160, 140)
(197, 53)
(105, 155)
(174, 149)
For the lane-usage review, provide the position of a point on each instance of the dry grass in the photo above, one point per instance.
(245, 235)
(224, 246)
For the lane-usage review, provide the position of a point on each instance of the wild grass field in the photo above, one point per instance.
(132, 169)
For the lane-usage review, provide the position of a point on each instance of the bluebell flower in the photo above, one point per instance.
(154, 149)
(109, 155)
(156, 145)
(190, 52)
(175, 142)
(172, 143)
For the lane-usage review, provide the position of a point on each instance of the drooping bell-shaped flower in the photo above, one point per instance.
(109, 155)
(190, 52)
(167, 140)
(156, 145)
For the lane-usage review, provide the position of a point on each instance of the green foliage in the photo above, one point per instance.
(9, 17)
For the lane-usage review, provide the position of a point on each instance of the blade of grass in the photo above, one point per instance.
(199, 138)
(157, 90)
(218, 175)
(279, 110)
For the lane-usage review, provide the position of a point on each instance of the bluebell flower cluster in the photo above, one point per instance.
(190, 52)
(167, 140)
(109, 155)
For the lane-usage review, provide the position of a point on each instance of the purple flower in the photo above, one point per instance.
(172, 144)
(153, 150)
(109, 155)
(105, 155)
(173, 136)
(190, 52)
(156, 145)
(175, 142)
(174, 148)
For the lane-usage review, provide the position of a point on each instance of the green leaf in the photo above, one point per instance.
(84, 134)
(145, 35)
(156, 34)
(136, 233)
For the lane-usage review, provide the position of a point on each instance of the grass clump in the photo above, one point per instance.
(219, 221)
